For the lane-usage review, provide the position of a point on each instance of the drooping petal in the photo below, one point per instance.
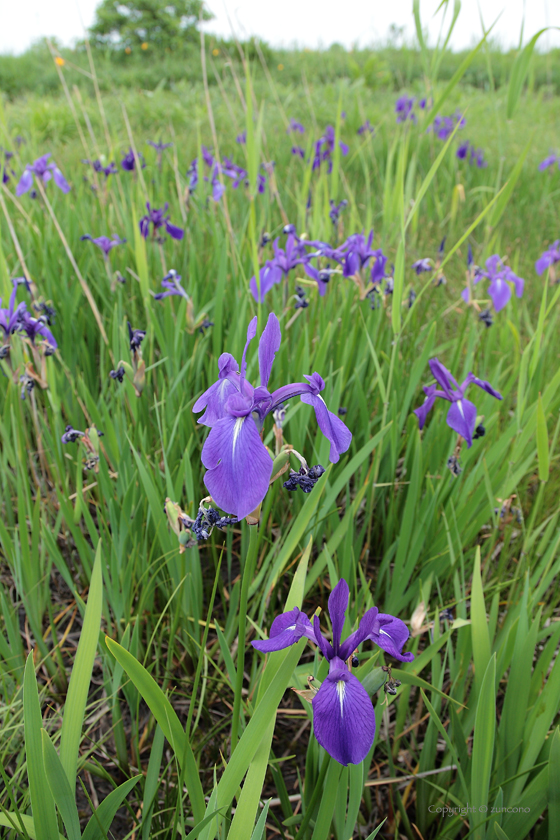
(365, 628)
(174, 231)
(60, 180)
(544, 262)
(343, 717)
(391, 634)
(332, 427)
(482, 383)
(461, 417)
(427, 405)
(239, 466)
(269, 345)
(315, 274)
(286, 630)
(500, 292)
(466, 294)
(144, 225)
(518, 282)
(338, 604)
(25, 183)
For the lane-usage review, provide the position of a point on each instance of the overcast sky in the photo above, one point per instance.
(307, 23)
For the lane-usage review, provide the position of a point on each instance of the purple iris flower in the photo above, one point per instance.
(461, 416)
(378, 270)
(241, 138)
(366, 127)
(422, 265)
(324, 147)
(281, 264)
(129, 163)
(235, 172)
(295, 126)
(549, 161)
(159, 147)
(34, 327)
(269, 275)
(500, 277)
(548, 258)
(192, 175)
(158, 219)
(104, 242)
(98, 167)
(443, 126)
(207, 156)
(343, 714)
(404, 109)
(172, 285)
(10, 317)
(218, 188)
(357, 252)
(336, 209)
(297, 150)
(43, 170)
(463, 150)
(238, 463)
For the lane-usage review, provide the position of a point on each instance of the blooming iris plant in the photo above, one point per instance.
(343, 714)
(548, 258)
(461, 416)
(129, 161)
(158, 219)
(105, 243)
(43, 171)
(238, 463)
(500, 277)
(550, 160)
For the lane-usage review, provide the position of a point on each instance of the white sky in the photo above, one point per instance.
(307, 23)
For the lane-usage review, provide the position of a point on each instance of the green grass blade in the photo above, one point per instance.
(554, 787)
(76, 699)
(42, 801)
(542, 442)
(483, 748)
(64, 797)
(165, 715)
(100, 822)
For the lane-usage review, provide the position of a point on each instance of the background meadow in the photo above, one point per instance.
(132, 703)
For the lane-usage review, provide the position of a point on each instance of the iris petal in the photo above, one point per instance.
(344, 718)
(239, 466)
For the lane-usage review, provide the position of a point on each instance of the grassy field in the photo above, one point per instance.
(132, 701)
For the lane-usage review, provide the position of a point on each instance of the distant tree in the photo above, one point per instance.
(160, 24)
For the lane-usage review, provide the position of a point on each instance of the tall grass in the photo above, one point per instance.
(131, 696)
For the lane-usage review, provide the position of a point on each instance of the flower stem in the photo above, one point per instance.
(247, 576)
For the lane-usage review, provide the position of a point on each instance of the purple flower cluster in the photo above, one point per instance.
(43, 171)
(353, 255)
(98, 167)
(16, 319)
(343, 714)
(444, 126)
(238, 174)
(239, 466)
(466, 150)
(500, 276)
(324, 148)
(129, 161)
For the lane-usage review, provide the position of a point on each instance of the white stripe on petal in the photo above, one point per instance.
(237, 431)
(460, 406)
(381, 630)
(341, 691)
